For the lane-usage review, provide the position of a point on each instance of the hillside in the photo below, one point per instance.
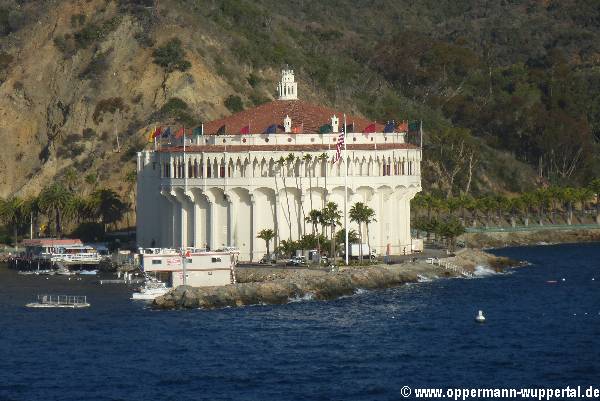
(512, 83)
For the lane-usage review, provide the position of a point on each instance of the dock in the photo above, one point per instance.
(59, 301)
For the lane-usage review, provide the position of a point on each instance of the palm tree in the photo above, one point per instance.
(529, 200)
(323, 157)
(314, 218)
(11, 214)
(369, 217)
(541, 200)
(358, 215)
(267, 235)
(450, 229)
(553, 196)
(595, 188)
(515, 206)
(281, 163)
(290, 159)
(53, 200)
(307, 158)
(567, 196)
(331, 215)
(108, 206)
(583, 195)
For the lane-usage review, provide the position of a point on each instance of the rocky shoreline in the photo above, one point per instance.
(280, 285)
(501, 239)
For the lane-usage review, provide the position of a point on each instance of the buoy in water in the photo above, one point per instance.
(480, 318)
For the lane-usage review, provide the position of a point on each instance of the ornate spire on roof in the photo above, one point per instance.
(287, 88)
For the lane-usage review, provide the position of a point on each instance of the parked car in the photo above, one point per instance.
(297, 261)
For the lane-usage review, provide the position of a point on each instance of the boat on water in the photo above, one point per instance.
(59, 301)
(88, 272)
(151, 289)
(167, 268)
(65, 251)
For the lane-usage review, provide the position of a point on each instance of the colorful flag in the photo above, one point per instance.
(325, 129)
(389, 127)
(414, 125)
(271, 129)
(403, 127)
(298, 129)
(338, 147)
(197, 131)
(221, 130)
(180, 132)
(166, 133)
(369, 129)
(245, 130)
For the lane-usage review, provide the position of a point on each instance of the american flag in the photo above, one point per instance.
(338, 147)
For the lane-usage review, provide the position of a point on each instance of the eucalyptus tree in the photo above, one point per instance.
(11, 214)
(330, 216)
(53, 201)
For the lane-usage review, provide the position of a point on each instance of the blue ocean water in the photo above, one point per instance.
(363, 347)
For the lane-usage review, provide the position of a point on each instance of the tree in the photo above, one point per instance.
(108, 206)
(281, 164)
(53, 200)
(266, 235)
(361, 213)
(11, 214)
(315, 217)
(340, 238)
(308, 159)
(234, 103)
(583, 196)
(330, 216)
(171, 57)
(450, 229)
(595, 188)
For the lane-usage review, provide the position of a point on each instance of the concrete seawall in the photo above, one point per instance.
(279, 286)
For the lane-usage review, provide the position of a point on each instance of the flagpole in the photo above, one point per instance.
(185, 166)
(421, 137)
(346, 190)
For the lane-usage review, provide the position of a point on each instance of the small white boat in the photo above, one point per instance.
(151, 289)
(65, 272)
(480, 318)
(88, 272)
(59, 301)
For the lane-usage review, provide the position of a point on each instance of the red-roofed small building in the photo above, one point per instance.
(266, 168)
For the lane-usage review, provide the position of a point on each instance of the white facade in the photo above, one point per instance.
(287, 87)
(224, 189)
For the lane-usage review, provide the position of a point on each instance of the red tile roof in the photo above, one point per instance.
(284, 148)
(305, 115)
(51, 242)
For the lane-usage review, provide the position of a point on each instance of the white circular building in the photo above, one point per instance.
(266, 168)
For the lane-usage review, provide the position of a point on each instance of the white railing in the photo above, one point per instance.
(62, 299)
(447, 264)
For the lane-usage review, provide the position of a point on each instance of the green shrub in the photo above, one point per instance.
(92, 33)
(176, 110)
(171, 56)
(234, 103)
